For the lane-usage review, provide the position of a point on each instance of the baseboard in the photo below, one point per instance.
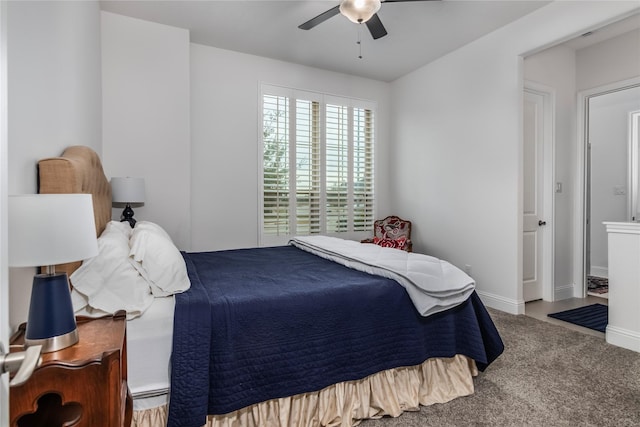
(501, 303)
(563, 292)
(623, 338)
(599, 271)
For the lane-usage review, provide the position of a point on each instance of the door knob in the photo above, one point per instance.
(25, 362)
(541, 223)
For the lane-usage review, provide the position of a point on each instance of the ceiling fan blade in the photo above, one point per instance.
(375, 27)
(320, 18)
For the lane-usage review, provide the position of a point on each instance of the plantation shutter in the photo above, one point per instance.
(316, 165)
(275, 136)
(308, 167)
(363, 169)
(337, 166)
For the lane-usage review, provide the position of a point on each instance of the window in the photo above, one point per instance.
(317, 165)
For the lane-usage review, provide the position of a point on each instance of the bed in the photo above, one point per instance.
(283, 336)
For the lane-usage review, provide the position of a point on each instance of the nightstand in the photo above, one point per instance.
(84, 385)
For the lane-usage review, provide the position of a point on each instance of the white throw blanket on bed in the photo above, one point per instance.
(432, 284)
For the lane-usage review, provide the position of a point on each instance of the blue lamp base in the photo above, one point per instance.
(51, 322)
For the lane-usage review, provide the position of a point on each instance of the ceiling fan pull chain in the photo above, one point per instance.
(359, 42)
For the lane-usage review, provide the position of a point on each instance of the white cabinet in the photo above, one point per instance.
(624, 284)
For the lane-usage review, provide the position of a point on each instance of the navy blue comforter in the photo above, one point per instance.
(265, 323)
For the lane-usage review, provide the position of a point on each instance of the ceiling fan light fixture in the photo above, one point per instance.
(359, 11)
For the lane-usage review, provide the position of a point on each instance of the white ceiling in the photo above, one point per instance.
(419, 31)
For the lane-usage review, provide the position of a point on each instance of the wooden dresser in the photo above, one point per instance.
(84, 385)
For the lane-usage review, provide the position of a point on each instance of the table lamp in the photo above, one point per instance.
(127, 190)
(45, 230)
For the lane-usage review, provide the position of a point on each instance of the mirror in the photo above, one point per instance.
(634, 164)
(613, 168)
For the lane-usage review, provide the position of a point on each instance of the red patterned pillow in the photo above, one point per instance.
(398, 243)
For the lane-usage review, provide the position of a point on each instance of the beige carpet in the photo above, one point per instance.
(547, 376)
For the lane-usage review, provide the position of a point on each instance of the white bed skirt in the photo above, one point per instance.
(390, 392)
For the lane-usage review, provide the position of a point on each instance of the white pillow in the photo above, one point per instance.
(158, 260)
(122, 226)
(152, 227)
(108, 282)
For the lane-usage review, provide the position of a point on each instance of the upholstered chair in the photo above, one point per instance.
(392, 232)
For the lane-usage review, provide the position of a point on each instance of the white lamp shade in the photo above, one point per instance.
(127, 190)
(359, 11)
(50, 229)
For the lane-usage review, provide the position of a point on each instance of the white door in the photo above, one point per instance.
(533, 185)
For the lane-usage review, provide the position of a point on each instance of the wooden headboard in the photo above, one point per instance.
(77, 170)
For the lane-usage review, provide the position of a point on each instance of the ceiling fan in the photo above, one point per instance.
(357, 11)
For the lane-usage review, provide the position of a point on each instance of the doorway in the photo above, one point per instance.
(609, 180)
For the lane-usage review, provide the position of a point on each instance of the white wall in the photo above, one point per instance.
(457, 129)
(146, 131)
(185, 118)
(53, 60)
(224, 125)
(556, 68)
(54, 83)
